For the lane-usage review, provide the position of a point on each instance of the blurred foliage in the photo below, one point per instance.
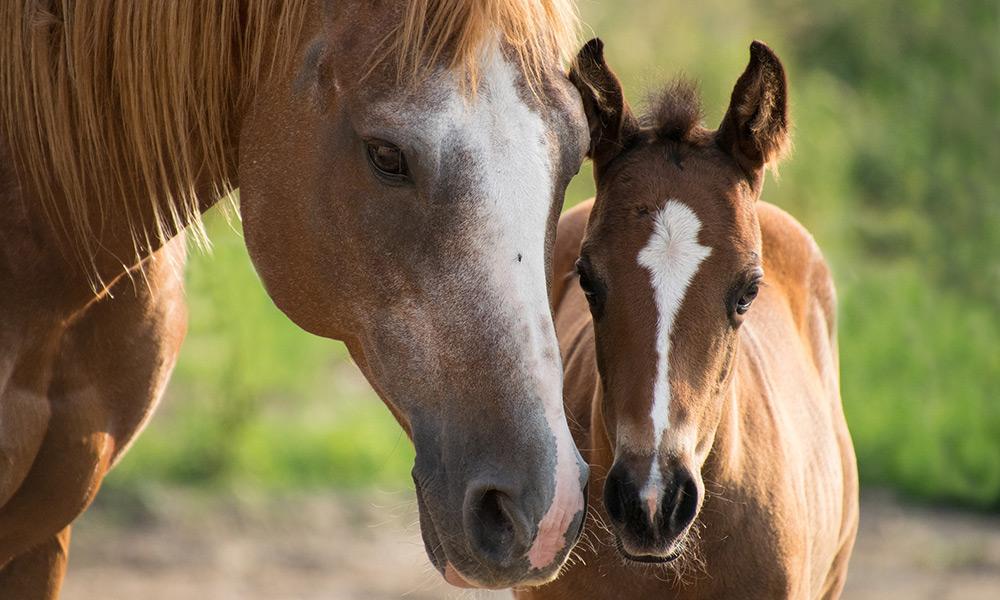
(895, 171)
(255, 400)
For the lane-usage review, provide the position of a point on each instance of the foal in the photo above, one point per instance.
(700, 357)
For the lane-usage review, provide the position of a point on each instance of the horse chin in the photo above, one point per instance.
(432, 543)
(448, 571)
(453, 577)
(436, 552)
(656, 557)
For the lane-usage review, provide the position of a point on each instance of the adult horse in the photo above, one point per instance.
(401, 168)
(700, 356)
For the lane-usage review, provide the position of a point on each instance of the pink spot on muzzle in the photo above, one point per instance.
(652, 503)
(567, 503)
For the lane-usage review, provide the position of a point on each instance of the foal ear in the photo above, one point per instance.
(755, 128)
(608, 114)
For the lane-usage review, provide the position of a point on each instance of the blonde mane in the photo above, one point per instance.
(105, 101)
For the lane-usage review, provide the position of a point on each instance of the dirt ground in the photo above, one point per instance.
(341, 546)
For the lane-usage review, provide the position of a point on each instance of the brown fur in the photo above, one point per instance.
(103, 371)
(778, 513)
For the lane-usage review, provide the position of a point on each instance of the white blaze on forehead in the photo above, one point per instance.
(672, 256)
(505, 174)
(508, 143)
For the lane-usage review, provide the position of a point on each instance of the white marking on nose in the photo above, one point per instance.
(506, 145)
(672, 256)
(517, 179)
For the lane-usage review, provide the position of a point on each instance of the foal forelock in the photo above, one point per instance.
(672, 256)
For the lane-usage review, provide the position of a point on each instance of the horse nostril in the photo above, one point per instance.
(685, 505)
(614, 496)
(494, 526)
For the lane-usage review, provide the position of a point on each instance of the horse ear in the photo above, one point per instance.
(755, 128)
(608, 114)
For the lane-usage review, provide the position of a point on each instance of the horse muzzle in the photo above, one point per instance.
(651, 522)
(502, 536)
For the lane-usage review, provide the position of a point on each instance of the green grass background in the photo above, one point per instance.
(895, 171)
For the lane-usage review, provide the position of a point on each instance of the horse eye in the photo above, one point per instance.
(584, 280)
(388, 161)
(590, 289)
(747, 297)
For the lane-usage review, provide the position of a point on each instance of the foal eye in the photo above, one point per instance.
(388, 161)
(590, 289)
(744, 295)
(747, 297)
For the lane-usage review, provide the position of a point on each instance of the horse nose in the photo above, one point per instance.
(680, 504)
(621, 499)
(646, 520)
(498, 529)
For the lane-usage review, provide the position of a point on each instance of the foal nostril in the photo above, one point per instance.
(621, 500)
(683, 506)
(495, 527)
(615, 496)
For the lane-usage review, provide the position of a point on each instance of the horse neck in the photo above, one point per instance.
(41, 264)
(120, 146)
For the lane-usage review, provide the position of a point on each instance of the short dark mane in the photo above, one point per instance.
(674, 112)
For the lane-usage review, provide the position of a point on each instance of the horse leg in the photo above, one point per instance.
(112, 366)
(38, 573)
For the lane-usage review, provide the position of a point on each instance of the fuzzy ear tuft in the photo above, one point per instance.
(755, 130)
(611, 121)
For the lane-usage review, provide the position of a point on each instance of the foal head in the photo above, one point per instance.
(412, 218)
(670, 264)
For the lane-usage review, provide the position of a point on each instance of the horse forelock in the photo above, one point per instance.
(456, 32)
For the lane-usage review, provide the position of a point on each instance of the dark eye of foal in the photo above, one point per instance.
(388, 161)
(591, 290)
(746, 293)
(744, 301)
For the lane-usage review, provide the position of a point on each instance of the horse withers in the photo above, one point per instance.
(701, 370)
